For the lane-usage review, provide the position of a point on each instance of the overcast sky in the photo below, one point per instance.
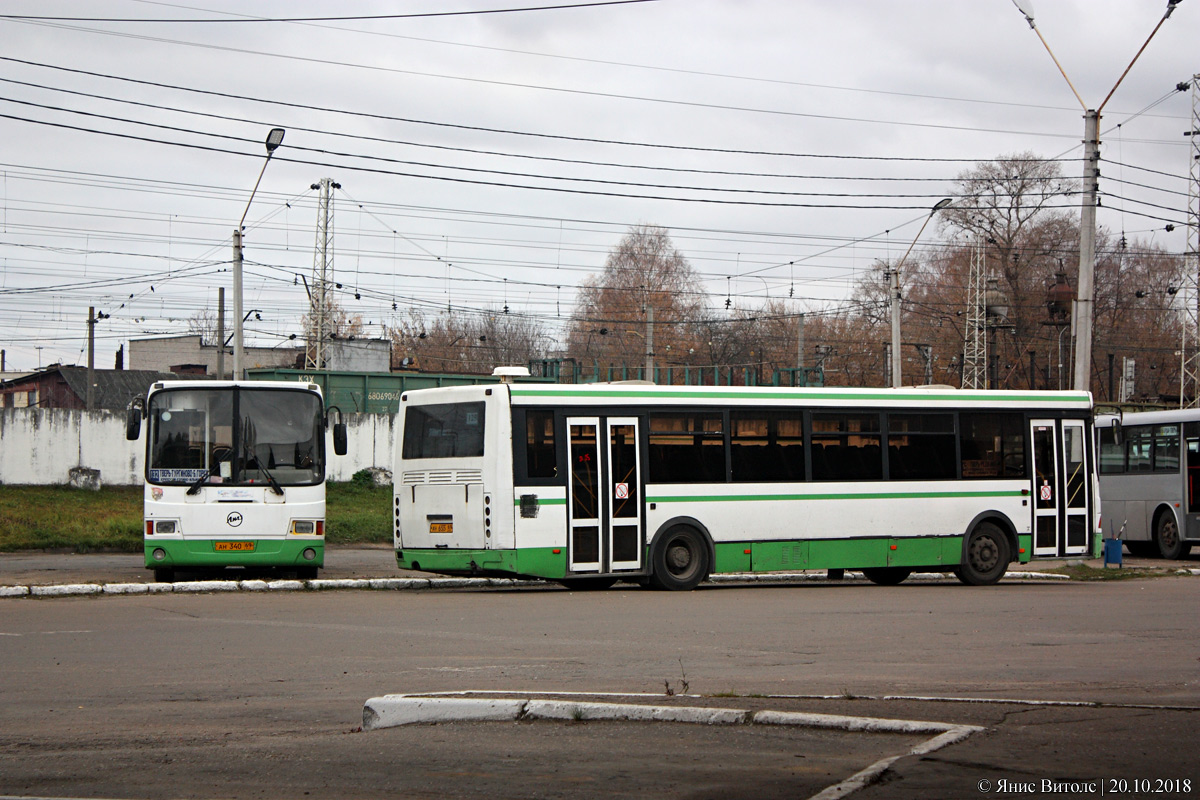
(493, 160)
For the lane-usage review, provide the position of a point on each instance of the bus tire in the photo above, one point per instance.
(164, 575)
(886, 576)
(986, 554)
(1166, 537)
(680, 559)
(587, 584)
(306, 573)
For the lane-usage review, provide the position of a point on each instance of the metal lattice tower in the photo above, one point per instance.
(1189, 374)
(974, 366)
(320, 322)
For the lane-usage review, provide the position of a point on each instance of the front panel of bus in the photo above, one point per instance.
(235, 475)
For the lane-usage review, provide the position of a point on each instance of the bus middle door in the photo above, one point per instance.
(605, 495)
(1061, 496)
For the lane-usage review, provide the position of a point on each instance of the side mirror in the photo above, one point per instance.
(1118, 436)
(133, 421)
(339, 430)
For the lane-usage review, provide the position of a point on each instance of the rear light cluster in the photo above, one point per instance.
(308, 527)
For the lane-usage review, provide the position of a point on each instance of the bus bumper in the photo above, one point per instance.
(165, 553)
(539, 562)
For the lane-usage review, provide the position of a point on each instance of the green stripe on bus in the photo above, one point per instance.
(544, 501)
(827, 496)
(1040, 397)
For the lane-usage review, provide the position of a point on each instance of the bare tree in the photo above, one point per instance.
(643, 272)
(204, 323)
(470, 343)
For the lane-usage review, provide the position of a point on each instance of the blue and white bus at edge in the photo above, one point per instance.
(234, 475)
(665, 485)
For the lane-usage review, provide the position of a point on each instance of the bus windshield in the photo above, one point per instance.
(241, 436)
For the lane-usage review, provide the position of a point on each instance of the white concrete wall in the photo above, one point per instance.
(41, 446)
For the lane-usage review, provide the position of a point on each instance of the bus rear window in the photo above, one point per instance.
(443, 430)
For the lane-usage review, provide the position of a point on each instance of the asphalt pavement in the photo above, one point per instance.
(42, 568)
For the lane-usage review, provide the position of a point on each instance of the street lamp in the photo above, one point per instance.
(1082, 317)
(274, 139)
(895, 292)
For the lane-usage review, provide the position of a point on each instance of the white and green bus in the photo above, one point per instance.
(235, 475)
(664, 485)
(1150, 480)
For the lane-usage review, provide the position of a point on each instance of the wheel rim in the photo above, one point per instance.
(1168, 532)
(985, 553)
(680, 557)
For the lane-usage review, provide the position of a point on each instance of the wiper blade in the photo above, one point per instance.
(195, 487)
(275, 487)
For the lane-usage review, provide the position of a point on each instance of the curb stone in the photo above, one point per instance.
(400, 584)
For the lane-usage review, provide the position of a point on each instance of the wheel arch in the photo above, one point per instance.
(1160, 508)
(690, 522)
(1000, 520)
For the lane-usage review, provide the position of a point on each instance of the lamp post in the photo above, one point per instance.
(1082, 315)
(895, 295)
(274, 139)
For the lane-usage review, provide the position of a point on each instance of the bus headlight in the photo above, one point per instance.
(159, 554)
(164, 526)
(308, 527)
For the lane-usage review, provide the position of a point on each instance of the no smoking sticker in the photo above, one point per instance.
(622, 491)
(1045, 493)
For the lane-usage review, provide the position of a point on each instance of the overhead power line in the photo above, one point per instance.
(354, 18)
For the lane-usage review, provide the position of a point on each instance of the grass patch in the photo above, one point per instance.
(358, 514)
(82, 521)
(1082, 572)
(79, 520)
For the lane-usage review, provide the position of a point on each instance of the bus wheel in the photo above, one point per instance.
(587, 584)
(986, 556)
(680, 561)
(306, 573)
(1166, 536)
(165, 575)
(886, 576)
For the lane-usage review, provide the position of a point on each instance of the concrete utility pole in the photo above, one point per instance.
(274, 139)
(221, 333)
(650, 343)
(895, 295)
(1189, 354)
(1081, 319)
(91, 373)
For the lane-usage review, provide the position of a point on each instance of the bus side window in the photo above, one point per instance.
(1112, 452)
(541, 459)
(687, 447)
(1166, 448)
(992, 445)
(1139, 444)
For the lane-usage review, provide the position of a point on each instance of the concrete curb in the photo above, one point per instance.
(402, 584)
(396, 710)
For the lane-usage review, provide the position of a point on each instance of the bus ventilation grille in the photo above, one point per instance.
(443, 477)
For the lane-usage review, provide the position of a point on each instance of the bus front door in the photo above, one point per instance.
(605, 497)
(1061, 495)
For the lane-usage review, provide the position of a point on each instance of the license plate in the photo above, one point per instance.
(441, 527)
(238, 547)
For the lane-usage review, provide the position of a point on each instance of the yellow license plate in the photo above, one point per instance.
(441, 527)
(237, 547)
